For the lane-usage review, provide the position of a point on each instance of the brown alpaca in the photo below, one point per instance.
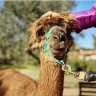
(13, 83)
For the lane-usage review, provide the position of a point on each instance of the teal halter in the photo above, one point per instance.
(47, 49)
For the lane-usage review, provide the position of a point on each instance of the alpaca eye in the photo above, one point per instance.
(41, 33)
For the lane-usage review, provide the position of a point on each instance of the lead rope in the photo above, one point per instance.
(78, 75)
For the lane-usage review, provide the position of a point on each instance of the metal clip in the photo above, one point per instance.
(78, 75)
(67, 68)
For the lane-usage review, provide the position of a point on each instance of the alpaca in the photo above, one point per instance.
(13, 83)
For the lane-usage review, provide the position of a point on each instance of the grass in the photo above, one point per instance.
(70, 81)
(30, 67)
(10, 66)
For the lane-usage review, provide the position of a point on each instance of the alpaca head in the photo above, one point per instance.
(56, 40)
(55, 31)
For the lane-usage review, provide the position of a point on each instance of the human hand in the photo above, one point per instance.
(50, 14)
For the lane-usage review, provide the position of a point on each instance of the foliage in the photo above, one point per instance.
(94, 37)
(82, 64)
(15, 17)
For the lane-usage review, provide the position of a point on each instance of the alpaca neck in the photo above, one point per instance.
(51, 77)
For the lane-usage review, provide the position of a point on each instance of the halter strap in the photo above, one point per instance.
(46, 48)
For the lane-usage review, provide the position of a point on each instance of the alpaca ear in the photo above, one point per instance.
(35, 33)
(36, 39)
(70, 40)
(32, 43)
(70, 43)
(72, 22)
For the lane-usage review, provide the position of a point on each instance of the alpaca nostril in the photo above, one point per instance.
(61, 39)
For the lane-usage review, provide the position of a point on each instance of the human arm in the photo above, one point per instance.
(86, 19)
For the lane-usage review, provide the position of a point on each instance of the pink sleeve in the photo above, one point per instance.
(86, 19)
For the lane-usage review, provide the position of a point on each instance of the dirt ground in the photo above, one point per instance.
(71, 92)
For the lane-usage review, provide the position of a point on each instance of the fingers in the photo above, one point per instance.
(50, 14)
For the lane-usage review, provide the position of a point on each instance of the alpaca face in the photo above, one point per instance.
(58, 42)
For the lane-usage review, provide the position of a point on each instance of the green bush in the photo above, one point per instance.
(82, 63)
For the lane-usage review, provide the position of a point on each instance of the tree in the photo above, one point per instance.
(94, 37)
(15, 17)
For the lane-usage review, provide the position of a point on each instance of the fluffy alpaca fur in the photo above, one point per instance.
(40, 27)
(13, 83)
